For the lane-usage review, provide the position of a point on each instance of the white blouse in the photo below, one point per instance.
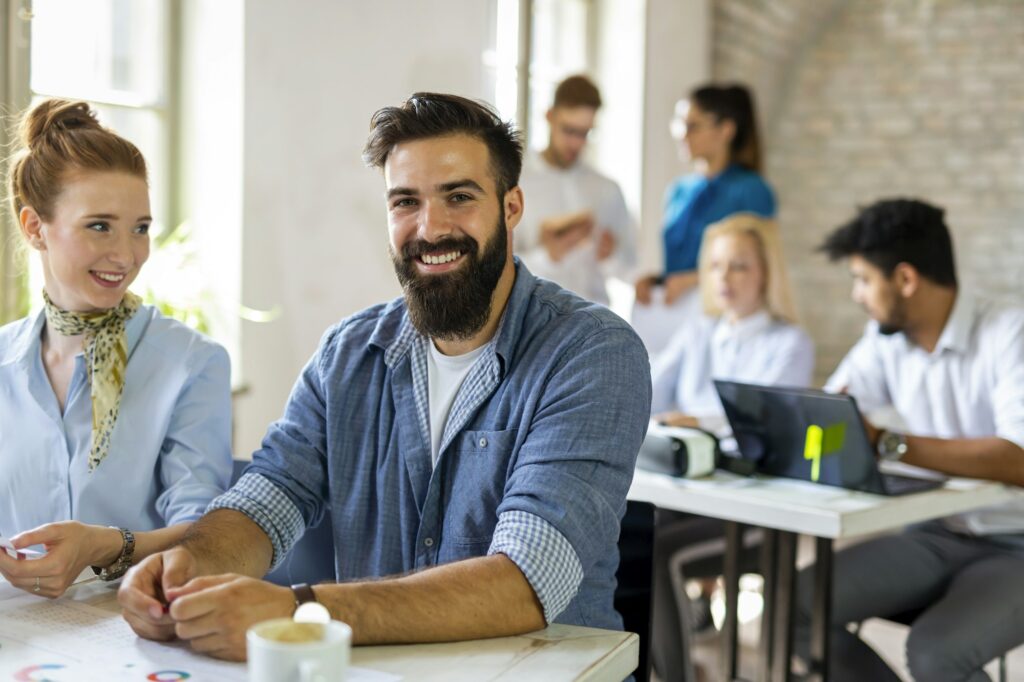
(757, 349)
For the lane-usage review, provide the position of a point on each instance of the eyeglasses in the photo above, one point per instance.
(679, 127)
(572, 131)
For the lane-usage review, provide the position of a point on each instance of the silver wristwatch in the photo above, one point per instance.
(123, 561)
(892, 446)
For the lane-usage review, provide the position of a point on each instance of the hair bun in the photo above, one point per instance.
(54, 117)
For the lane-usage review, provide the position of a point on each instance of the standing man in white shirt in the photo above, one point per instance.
(952, 365)
(576, 229)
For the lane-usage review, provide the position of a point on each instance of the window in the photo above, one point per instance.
(13, 97)
(560, 46)
(536, 44)
(115, 55)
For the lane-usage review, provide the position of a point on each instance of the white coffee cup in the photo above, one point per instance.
(282, 650)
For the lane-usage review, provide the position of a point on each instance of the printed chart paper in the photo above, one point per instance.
(81, 638)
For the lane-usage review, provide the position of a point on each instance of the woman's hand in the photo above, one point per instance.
(677, 419)
(678, 284)
(70, 548)
(644, 287)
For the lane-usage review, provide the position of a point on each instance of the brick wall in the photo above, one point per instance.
(760, 42)
(882, 98)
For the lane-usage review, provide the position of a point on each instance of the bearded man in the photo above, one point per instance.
(472, 441)
(951, 364)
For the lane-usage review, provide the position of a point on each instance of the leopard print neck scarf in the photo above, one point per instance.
(106, 356)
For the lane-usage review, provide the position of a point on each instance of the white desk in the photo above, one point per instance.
(559, 652)
(786, 508)
(808, 508)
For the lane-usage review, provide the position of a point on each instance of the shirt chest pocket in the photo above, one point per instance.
(477, 475)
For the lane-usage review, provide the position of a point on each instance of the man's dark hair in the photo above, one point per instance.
(895, 231)
(577, 91)
(428, 114)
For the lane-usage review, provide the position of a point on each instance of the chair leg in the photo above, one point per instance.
(1002, 668)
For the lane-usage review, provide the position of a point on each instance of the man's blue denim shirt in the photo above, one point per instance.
(548, 425)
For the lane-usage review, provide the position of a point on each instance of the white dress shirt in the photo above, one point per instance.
(550, 192)
(970, 386)
(756, 349)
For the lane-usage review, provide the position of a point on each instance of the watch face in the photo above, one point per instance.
(892, 445)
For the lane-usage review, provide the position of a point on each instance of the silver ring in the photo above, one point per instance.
(36, 588)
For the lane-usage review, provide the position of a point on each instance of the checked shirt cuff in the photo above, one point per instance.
(543, 554)
(269, 508)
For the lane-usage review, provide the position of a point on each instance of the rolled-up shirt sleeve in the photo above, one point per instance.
(575, 467)
(269, 508)
(284, 489)
(544, 555)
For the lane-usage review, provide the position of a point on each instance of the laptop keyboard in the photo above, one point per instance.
(904, 485)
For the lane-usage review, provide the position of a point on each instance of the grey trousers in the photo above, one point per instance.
(967, 590)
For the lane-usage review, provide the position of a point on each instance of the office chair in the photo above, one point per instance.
(908, 617)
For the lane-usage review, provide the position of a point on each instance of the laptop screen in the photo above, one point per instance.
(801, 433)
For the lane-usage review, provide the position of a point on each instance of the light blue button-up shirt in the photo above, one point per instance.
(170, 451)
(536, 458)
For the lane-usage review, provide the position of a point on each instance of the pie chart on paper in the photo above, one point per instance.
(45, 672)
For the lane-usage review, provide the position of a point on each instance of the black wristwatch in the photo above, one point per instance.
(891, 446)
(123, 561)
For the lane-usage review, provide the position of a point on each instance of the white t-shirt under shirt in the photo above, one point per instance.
(445, 374)
(970, 386)
(550, 192)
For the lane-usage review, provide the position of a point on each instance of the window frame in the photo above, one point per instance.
(13, 97)
(16, 94)
(526, 55)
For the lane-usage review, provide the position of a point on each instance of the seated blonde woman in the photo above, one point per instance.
(747, 333)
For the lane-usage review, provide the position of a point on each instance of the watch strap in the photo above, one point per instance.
(303, 593)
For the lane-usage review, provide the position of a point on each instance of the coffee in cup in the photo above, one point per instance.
(287, 630)
(284, 650)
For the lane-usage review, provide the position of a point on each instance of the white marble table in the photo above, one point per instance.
(84, 634)
(559, 652)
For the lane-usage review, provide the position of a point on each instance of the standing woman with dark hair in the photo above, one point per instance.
(717, 126)
(114, 420)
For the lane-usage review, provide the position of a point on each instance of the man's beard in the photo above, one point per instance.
(452, 306)
(896, 321)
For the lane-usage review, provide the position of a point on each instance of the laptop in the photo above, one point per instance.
(810, 435)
